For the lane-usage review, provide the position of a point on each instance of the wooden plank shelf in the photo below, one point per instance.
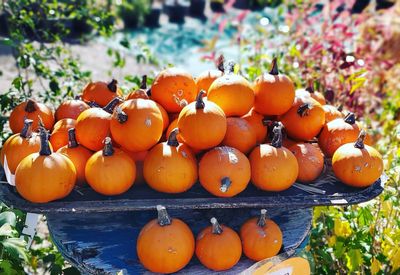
(106, 243)
(141, 197)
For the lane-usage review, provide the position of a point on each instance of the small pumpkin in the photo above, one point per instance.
(142, 92)
(256, 121)
(171, 127)
(357, 164)
(71, 109)
(141, 119)
(304, 119)
(218, 247)
(173, 88)
(93, 125)
(45, 176)
(274, 92)
(331, 113)
(261, 237)
(338, 132)
(206, 78)
(110, 171)
(273, 167)
(224, 171)
(170, 167)
(310, 160)
(19, 146)
(138, 158)
(232, 92)
(78, 154)
(33, 110)
(310, 92)
(101, 92)
(165, 245)
(59, 135)
(239, 135)
(202, 124)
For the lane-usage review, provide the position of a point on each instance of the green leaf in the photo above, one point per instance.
(365, 216)
(17, 83)
(15, 247)
(354, 259)
(6, 267)
(8, 217)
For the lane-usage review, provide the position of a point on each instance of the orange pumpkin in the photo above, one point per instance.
(218, 247)
(310, 160)
(110, 171)
(304, 120)
(78, 154)
(202, 124)
(165, 245)
(138, 158)
(172, 126)
(59, 136)
(142, 92)
(18, 146)
(256, 121)
(173, 88)
(224, 171)
(239, 135)
(93, 126)
(31, 110)
(205, 79)
(331, 113)
(261, 237)
(273, 167)
(338, 132)
(71, 109)
(141, 119)
(357, 164)
(310, 92)
(232, 92)
(101, 92)
(165, 116)
(274, 92)
(170, 167)
(45, 176)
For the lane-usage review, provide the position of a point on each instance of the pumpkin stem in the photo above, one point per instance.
(27, 130)
(143, 84)
(108, 149)
(360, 140)
(216, 227)
(172, 140)
(199, 100)
(72, 143)
(225, 184)
(304, 109)
(112, 86)
(109, 108)
(30, 106)
(122, 117)
(221, 63)
(230, 67)
(310, 87)
(350, 118)
(340, 107)
(263, 218)
(93, 104)
(277, 136)
(40, 121)
(148, 92)
(274, 67)
(163, 217)
(77, 97)
(44, 142)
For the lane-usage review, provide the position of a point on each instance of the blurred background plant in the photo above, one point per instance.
(353, 58)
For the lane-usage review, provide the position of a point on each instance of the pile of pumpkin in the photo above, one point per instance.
(111, 141)
(166, 245)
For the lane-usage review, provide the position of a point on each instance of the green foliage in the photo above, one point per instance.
(133, 12)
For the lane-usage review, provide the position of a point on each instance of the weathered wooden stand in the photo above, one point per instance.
(97, 234)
